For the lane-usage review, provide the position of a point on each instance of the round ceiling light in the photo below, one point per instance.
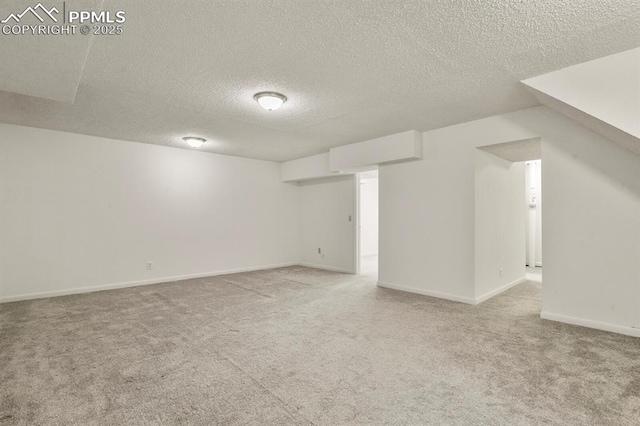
(194, 142)
(270, 100)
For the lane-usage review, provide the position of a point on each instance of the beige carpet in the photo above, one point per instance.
(302, 346)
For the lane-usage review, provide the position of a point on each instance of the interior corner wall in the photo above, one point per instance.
(591, 233)
(500, 224)
(80, 213)
(324, 211)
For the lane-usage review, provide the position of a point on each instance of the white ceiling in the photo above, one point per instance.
(47, 67)
(351, 70)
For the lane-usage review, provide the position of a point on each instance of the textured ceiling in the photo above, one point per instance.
(351, 70)
(47, 67)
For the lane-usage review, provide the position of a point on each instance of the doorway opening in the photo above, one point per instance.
(508, 220)
(368, 223)
(533, 180)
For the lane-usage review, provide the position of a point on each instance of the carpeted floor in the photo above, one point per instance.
(303, 346)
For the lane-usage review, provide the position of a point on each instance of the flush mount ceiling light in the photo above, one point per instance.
(270, 100)
(194, 142)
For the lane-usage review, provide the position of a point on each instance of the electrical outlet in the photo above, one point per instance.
(149, 265)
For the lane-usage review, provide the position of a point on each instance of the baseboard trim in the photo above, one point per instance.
(439, 295)
(325, 267)
(620, 329)
(91, 289)
(497, 291)
(538, 264)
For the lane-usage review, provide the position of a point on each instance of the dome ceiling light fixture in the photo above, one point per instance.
(194, 142)
(270, 100)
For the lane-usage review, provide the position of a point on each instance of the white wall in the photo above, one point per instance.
(500, 224)
(369, 216)
(591, 233)
(534, 216)
(78, 211)
(84, 212)
(427, 221)
(325, 207)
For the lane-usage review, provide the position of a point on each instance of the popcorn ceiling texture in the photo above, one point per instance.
(46, 67)
(351, 70)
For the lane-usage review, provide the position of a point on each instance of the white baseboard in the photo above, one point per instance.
(621, 329)
(492, 293)
(440, 295)
(325, 267)
(539, 264)
(91, 289)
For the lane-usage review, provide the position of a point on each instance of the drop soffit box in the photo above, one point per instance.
(356, 157)
(387, 149)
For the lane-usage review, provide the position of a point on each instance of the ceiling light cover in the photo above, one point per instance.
(194, 142)
(270, 100)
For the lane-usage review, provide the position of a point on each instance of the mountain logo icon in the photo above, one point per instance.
(34, 11)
